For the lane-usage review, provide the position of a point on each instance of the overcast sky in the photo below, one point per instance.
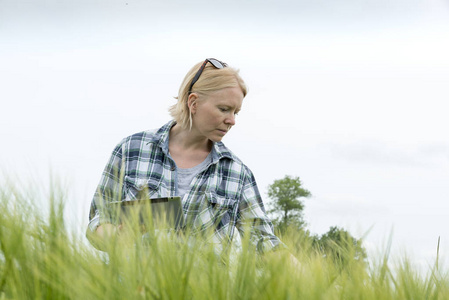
(348, 95)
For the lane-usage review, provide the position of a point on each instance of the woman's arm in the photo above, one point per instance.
(109, 189)
(253, 218)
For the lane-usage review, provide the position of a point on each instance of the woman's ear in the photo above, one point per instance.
(191, 102)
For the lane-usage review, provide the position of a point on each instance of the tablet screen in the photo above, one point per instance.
(162, 213)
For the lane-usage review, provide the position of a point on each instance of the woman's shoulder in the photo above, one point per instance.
(225, 155)
(223, 152)
(146, 137)
(137, 139)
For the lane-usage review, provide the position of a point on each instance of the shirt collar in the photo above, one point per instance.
(160, 138)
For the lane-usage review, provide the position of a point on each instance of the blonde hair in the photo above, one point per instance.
(211, 80)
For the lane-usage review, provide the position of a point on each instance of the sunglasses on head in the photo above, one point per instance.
(215, 62)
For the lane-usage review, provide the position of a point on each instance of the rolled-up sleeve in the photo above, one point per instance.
(109, 189)
(252, 216)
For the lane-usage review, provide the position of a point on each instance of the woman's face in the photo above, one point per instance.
(214, 115)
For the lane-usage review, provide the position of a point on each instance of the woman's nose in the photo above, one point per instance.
(230, 120)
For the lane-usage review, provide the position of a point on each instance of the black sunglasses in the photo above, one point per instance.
(215, 62)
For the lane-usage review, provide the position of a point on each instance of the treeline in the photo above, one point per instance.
(287, 212)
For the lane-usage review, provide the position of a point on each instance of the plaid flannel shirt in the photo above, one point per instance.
(223, 196)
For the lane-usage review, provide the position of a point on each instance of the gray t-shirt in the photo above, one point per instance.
(185, 176)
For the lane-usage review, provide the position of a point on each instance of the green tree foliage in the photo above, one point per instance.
(286, 205)
(340, 246)
(287, 214)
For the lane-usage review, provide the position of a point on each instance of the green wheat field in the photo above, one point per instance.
(41, 258)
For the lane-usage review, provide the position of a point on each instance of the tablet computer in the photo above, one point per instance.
(161, 213)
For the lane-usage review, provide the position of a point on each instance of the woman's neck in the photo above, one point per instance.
(188, 139)
(186, 148)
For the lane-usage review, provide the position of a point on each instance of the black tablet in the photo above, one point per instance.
(163, 213)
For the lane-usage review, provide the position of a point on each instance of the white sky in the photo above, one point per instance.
(349, 95)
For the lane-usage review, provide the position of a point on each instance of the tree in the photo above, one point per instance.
(341, 246)
(286, 203)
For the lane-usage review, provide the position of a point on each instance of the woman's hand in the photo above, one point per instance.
(106, 233)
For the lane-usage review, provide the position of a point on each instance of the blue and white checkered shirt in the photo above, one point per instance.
(224, 196)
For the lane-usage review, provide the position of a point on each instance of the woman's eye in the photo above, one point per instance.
(223, 109)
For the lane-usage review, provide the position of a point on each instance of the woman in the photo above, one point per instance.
(186, 158)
